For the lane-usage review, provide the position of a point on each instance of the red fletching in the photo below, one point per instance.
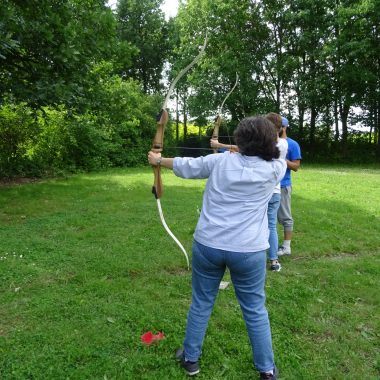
(149, 337)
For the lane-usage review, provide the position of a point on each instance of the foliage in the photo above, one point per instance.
(124, 112)
(87, 80)
(312, 61)
(58, 139)
(69, 142)
(143, 25)
(81, 281)
(49, 47)
(18, 132)
(192, 130)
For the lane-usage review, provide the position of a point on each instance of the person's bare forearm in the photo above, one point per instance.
(293, 165)
(214, 143)
(167, 162)
(230, 147)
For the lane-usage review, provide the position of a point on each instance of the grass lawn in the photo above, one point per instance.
(86, 268)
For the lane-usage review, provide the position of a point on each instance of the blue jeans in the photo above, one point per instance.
(273, 207)
(248, 276)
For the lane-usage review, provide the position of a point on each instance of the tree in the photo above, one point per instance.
(352, 55)
(143, 25)
(235, 36)
(49, 47)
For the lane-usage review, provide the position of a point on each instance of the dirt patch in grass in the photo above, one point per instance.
(177, 271)
(332, 256)
(4, 182)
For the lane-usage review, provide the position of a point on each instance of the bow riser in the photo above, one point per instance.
(158, 141)
(215, 132)
(157, 147)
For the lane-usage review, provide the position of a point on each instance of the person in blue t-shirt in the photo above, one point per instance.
(284, 215)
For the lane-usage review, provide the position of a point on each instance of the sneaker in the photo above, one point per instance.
(275, 266)
(282, 251)
(269, 376)
(191, 368)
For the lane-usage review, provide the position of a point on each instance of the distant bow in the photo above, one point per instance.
(218, 119)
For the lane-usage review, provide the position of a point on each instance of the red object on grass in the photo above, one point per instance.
(149, 337)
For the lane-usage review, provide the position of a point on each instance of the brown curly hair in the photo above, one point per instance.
(257, 136)
(276, 119)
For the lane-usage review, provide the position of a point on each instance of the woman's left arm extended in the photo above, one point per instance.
(185, 167)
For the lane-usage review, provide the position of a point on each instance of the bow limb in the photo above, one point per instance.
(218, 119)
(229, 93)
(215, 132)
(171, 233)
(183, 72)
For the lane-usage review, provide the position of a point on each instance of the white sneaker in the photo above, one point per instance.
(282, 251)
(275, 266)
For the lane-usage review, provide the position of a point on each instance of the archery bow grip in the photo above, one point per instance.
(157, 187)
(157, 147)
(215, 132)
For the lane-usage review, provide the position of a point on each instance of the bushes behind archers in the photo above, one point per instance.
(117, 130)
(52, 140)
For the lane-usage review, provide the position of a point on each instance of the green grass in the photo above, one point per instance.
(86, 268)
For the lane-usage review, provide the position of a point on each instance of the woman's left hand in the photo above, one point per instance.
(214, 143)
(153, 158)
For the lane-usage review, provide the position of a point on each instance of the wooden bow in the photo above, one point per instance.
(158, 145)
(218, 119)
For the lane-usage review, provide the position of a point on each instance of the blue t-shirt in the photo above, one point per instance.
(294, 153)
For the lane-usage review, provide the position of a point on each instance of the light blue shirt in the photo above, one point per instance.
(235, 201)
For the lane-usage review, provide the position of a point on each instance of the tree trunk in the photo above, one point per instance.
(313, 119)
(377, 106)
(278, 95)
(377, 128)
(184, 116)
(301, 106)
(176, 117)
(301, 117)
(344, 110)
(144, 81)
(336, 120)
